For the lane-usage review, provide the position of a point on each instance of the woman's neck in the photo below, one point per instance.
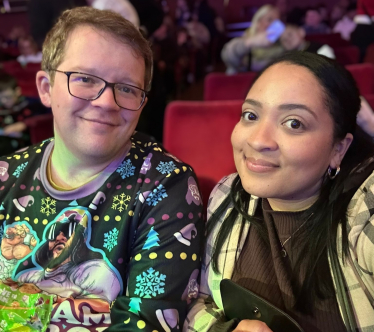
(292, 205)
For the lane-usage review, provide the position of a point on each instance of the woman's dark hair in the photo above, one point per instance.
(343, 102)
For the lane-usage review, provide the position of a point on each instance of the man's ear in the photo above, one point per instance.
(44, 87)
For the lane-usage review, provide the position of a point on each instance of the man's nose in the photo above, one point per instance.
(106, 100)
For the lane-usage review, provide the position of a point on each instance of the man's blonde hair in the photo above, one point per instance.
(102, 20)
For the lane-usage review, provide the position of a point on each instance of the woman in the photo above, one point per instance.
(302, 198)
(253, 51)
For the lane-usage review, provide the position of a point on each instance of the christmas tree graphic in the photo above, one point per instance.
(135, 305)
(152, 240)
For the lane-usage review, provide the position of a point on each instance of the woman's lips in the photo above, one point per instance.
(260, 165)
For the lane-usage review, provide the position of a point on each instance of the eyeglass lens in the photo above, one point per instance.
(89, 87)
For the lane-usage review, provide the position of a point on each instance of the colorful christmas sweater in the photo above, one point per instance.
(129, 240)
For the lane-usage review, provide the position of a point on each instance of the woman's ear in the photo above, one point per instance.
(44, 87)
(340, 149)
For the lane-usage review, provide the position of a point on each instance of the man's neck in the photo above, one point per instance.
(68, 172)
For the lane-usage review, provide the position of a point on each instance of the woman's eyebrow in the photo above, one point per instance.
(253, 102)
(290, 107)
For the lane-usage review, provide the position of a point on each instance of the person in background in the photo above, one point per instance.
(336, 14)
(293, 39)
(122, 7)
(44, 13)
(14, 109)
(313, 22)
(363, 35)
(252, 51)
(117, 221)
(294, 225)
(346, 25)
(29, 52)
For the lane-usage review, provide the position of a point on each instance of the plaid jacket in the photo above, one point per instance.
(208, 307)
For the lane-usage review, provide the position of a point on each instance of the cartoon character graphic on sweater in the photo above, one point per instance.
(18, 241)
(65, 264)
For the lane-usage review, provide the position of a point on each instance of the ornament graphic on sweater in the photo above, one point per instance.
(126, 169)
(147, 164)
(98, 199)
(156, 195)
(169, 319)
(193, 194)
(4, 175)
(186, 234)
(192, 288)
(110, 239)
(23, 202)
(150, 284)
(121, 202)
(152, 240)
(20, 169)
(135, 305)
(48, 206)
(166, 167)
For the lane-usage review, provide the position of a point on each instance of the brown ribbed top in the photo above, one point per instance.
(265, 272)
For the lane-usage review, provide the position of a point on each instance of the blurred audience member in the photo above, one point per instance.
(363, 35)
(346, 25)
(29, 52)
(293, 38)
(198, 32)
(253, 51)
(323, 11)
(151, 15)
(122, 7)
(14, 35)
(337, 13)
(44, 13)
(14, 109)
(313, 22)
(183, 13)
(282, 6)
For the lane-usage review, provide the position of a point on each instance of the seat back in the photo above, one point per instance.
(334, 40)
(199, 133)
(363, 73)
(347, 55)
(219, 86)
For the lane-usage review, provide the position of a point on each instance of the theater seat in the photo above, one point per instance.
(363, 73)
(334, 40)
(347, 55)
(198, 133)
(219, 86)
(369, 55)
(25, 76)
(40, 127)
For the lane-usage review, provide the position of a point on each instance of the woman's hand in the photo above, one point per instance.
(247, 325)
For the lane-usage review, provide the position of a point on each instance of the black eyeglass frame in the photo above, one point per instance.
(111, 85)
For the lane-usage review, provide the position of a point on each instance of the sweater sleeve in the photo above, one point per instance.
(234, 55)
(164, 268)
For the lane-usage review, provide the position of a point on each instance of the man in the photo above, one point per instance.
(116, 221)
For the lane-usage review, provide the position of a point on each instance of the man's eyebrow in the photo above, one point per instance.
(253, 102)
(290, 107)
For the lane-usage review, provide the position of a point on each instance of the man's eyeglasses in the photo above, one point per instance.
(90, 87)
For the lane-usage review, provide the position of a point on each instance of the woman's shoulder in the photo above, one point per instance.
(220, 192)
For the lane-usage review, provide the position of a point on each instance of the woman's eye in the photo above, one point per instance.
(294, 124)
(249, 116)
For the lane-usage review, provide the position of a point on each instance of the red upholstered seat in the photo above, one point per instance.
(40, 127)
(199, 133)
(334, 40)
(347, 55)
(26, 76)
(369, 55)
(363, 73)
(219, 86)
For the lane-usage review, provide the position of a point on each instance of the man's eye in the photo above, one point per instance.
(294, 124)
(249, 116)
